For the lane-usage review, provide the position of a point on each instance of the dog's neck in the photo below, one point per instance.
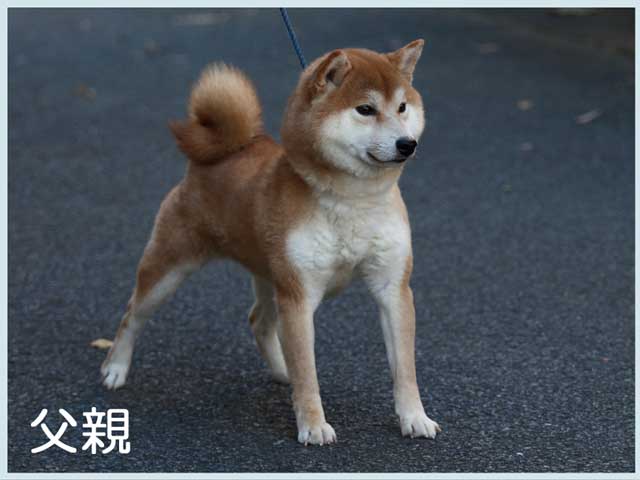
(327, 181)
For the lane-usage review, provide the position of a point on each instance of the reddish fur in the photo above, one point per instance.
(243, 194)
(224, 115)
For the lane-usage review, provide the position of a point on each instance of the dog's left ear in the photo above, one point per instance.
(406, 58)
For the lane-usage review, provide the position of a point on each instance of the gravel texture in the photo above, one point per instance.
(523, 225)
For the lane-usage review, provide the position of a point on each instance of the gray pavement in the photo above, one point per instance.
(523, 224)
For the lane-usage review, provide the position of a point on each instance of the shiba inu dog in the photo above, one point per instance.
(303, 217)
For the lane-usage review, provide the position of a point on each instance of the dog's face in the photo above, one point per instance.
(361, 111)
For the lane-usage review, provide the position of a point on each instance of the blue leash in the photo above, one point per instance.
(292, 36)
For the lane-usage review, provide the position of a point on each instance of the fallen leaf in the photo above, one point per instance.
(588, 117)
(526, 147)
(488, 48)
(150, 46)
(101, 343)
(85, 24)
(84, 91)
(202, 19)
(524, 104)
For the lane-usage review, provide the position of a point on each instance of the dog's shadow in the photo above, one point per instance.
(230, 395)
(216, 396)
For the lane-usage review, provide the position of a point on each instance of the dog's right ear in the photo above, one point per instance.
(332, 71)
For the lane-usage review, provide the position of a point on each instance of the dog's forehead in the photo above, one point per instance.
(376, 97)
(373, 74)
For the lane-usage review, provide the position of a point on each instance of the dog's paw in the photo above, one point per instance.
(320, 434)
(417, 424)
(114, 375)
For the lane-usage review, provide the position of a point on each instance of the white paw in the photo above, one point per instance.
(317, 435)
(114, 375)
(417, 424)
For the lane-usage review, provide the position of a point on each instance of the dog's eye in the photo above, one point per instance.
(402, 107)
(366, 110)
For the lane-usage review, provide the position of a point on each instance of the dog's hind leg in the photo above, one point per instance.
(264, 321)
(169, 257)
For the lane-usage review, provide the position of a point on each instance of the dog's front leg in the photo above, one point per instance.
(389, 284)
(297, 338)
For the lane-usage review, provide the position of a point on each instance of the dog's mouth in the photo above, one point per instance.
(386, 162)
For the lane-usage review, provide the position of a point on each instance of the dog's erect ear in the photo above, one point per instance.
(406, 58)
(332, 70)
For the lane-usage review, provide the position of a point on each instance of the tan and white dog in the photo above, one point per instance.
(302, 218)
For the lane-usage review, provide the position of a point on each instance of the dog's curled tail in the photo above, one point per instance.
(224, 115)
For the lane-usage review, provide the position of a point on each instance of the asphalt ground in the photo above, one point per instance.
(522, 211)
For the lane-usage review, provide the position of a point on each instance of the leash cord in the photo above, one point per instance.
(292, 36)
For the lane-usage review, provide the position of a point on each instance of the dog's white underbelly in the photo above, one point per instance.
(328, 248)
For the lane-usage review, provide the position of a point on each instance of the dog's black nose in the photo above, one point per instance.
(406, 146)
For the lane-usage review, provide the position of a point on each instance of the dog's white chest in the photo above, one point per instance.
(328, 247)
